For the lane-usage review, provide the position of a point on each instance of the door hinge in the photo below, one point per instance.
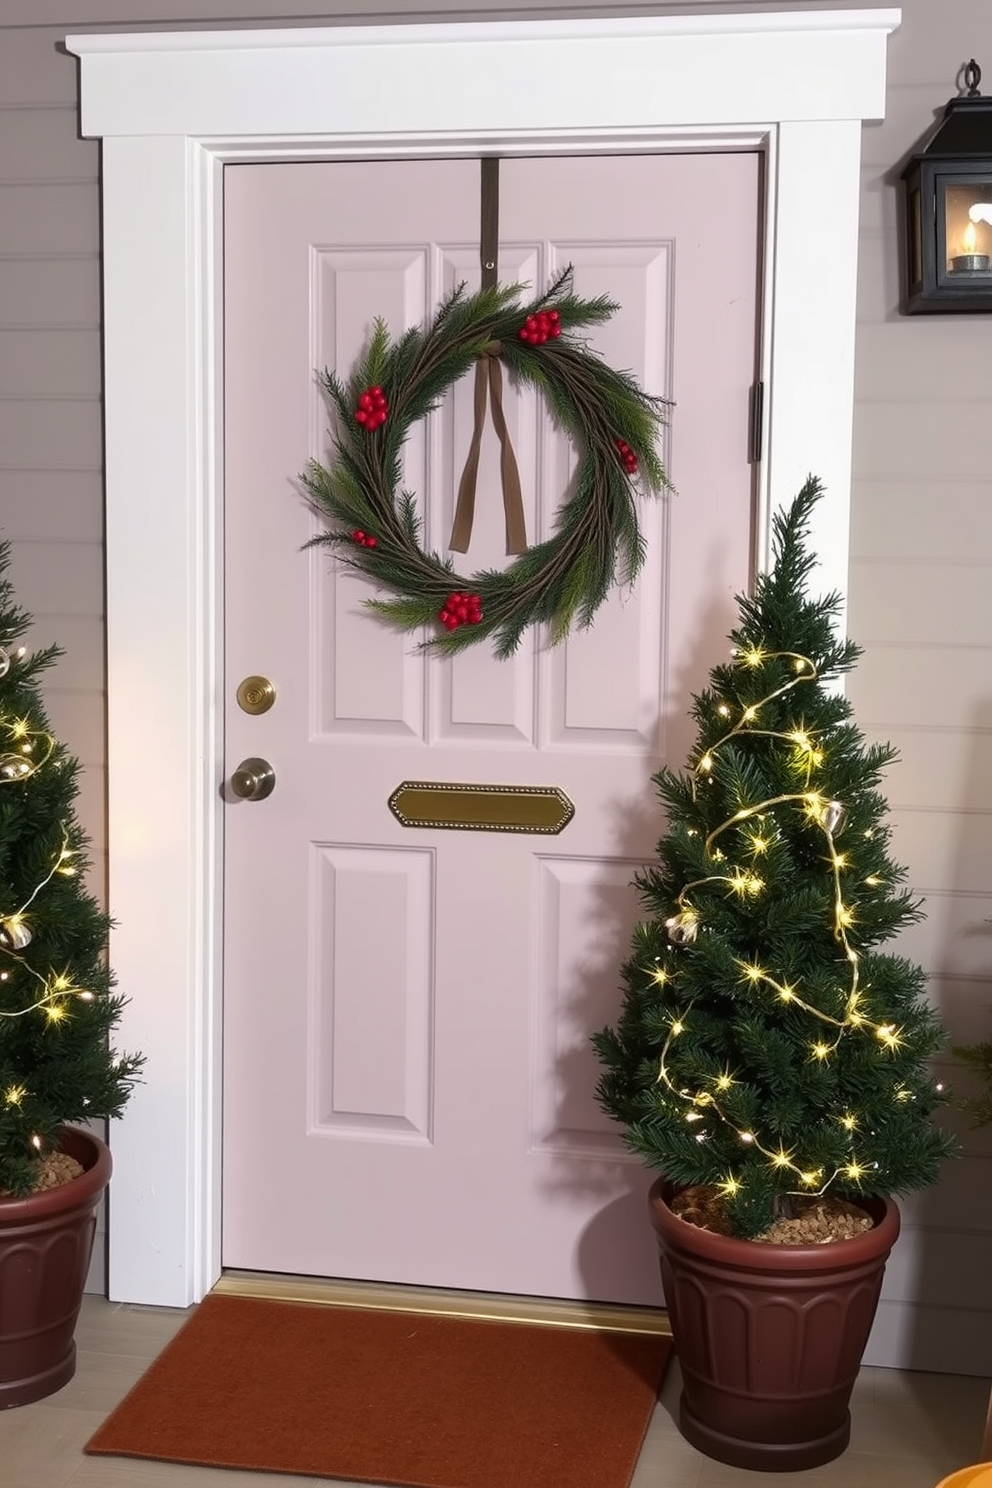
(756, 421)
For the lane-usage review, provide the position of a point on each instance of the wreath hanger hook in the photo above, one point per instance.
(489, 379)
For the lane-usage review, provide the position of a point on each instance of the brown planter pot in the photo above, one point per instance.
(769, 1337)
(45, 1245)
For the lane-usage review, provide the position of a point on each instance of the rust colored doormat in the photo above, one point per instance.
(393, 1397)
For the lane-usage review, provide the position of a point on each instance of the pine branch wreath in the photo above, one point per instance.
(597, 542)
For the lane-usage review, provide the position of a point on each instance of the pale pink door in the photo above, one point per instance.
(409, 1088)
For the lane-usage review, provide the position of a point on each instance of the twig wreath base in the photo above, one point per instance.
(597, 542)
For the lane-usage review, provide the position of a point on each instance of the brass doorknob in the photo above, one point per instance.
(253, 780)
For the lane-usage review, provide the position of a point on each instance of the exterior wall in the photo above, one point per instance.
(920, 577)
(921, 550)
(50, 438)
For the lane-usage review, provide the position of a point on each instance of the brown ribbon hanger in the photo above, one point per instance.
(489, 378)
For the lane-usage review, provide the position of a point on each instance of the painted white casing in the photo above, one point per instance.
(172, 109)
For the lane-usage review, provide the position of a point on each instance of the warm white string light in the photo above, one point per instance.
(28, 751)
(683, 928)
(24, 759)
(15, 935)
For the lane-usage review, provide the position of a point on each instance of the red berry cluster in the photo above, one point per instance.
(460, 609)
(363, 539)
(537, 329)
(626, 456)
(372, 408)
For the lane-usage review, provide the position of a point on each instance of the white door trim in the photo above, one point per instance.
(172, 110)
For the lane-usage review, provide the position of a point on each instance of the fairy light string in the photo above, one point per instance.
(29, 750)
(24, 759)
(703, 1102)
(58, 1065)
(21, 759)
(754, 657)
(683, 927)
(56, 988)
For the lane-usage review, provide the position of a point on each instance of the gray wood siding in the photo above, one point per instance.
(50, 388)
(920, 579)
(921, 550)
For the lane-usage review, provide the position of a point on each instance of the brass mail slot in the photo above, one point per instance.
(481, 808)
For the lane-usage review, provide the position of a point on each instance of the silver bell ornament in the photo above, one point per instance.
(8, 656)
(683, 927)
(14, 934)
(834, 817)
(14, 767)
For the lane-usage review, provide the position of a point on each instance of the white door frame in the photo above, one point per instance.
(172, 109)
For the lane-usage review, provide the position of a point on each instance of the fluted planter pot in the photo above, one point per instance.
(769, 1337)
(46, 1241)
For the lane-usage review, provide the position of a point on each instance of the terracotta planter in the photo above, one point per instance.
(769, 1337)
(45, 1246)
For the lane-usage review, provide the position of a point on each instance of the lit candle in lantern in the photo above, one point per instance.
(969, 260)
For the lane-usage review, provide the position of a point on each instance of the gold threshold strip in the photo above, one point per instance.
(550, 1312)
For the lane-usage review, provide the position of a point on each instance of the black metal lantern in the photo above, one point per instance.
(949, 209)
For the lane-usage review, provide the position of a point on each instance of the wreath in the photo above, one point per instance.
(375, 527)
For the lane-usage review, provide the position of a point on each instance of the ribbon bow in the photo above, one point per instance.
(489, 379)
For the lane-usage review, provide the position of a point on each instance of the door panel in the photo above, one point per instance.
(408, 1079)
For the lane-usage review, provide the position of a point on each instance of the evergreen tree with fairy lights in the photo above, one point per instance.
(57, 1006)
(765, 1045)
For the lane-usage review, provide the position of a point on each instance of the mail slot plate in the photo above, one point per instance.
(481, 808)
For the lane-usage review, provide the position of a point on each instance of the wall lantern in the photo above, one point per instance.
(949, 209)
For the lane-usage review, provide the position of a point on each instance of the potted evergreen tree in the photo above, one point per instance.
(769, 1059)
(57, 1011)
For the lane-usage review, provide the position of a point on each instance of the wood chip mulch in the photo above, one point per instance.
(817, 1221)
(51, 1171)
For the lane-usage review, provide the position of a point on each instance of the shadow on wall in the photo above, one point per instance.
(945, 1246)
(617, 1256)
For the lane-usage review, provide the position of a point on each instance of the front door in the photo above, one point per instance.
(409, 1088)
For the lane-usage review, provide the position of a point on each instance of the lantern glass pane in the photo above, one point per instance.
(967, 235)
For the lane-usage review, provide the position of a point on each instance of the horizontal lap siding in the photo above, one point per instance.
(50, 390)
(920, 586)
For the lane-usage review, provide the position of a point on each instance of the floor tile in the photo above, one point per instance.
(101, 1381)
(41, 1445)
(937, 1417)
(852, 1470)
(666, 1460)
(119, 1329)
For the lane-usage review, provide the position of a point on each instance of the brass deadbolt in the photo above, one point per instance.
(256, 695)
